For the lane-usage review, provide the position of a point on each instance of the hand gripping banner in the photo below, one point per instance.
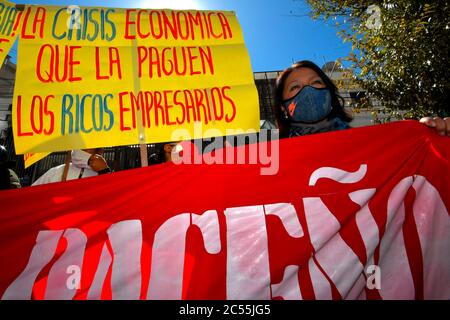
(355, 214)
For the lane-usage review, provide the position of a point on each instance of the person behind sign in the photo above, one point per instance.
(307, 102)
(8, 178)
(164, 152)
(84, 163)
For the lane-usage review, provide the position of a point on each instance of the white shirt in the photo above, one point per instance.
(78, 168)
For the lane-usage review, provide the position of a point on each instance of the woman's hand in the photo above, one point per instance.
(442, 126)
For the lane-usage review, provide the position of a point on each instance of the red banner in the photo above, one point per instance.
(354, 214)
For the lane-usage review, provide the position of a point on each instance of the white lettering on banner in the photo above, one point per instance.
(321, 285)
(248, 274)
(126, 242)
(321, 223)
(288, 288)
(317, 212)
(208, 223)
(166, 278)
(286, 212)
(248, 268)
(434, 235)
(396, 278)
(73, 255)
(42, 253)
(335, 257)
(357, 288)
(95, 291)
(338, 175)
(125, 238)
(368, 229)
(340, 263)
(366, 223)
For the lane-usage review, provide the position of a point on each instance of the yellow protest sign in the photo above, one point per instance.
(32, 158)
(95, 77)
(9, 17)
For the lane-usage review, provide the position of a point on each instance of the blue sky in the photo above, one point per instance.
(273, 35)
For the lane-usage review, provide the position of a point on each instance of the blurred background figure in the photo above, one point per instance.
(164, 152)
(8, 178)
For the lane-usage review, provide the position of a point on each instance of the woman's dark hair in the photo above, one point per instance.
(337, 102)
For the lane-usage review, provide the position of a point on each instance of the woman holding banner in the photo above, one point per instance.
(307, 102)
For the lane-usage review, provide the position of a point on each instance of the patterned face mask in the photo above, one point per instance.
(309, 105)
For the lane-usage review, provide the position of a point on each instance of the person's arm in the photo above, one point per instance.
(442, 126)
